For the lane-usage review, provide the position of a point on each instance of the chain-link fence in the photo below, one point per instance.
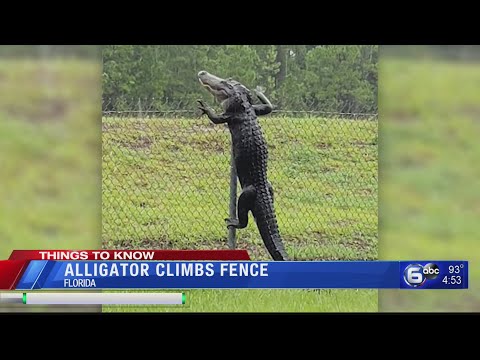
(166, 182)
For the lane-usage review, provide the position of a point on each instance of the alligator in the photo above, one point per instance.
(250, 156)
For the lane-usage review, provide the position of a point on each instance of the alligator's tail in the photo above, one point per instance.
(264, 213)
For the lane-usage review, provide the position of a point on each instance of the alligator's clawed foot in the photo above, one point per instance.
(258, 90)
(231, 222)
(202, 107)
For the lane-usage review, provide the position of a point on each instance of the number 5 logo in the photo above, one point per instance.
(413, 275)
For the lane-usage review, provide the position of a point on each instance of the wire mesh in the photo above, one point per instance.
(166, 179)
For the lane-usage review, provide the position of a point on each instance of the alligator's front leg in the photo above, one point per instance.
(265, 108)
(216, 119)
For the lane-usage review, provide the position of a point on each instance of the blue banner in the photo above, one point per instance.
(95, 275)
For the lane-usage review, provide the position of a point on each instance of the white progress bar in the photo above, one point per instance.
(77, 298)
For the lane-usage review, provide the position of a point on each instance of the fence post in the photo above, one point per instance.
(232, 244)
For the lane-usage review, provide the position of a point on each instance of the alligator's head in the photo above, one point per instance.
(230, 93)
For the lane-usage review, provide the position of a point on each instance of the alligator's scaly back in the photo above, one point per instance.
(251, 156)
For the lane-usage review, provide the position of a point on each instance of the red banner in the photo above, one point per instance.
(10, 273)
(185, 255)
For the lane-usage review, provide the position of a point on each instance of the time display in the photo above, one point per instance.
(452, 279)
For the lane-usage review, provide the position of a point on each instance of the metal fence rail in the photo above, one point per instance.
(167, 183)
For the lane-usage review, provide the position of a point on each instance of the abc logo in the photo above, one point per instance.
(415, 275)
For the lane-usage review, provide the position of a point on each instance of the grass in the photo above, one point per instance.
(265, 301)
(166, 185)
(49, 157)
(429, 181)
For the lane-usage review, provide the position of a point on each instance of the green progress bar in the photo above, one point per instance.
(90, 298)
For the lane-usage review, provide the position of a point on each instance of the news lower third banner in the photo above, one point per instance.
(217, 271)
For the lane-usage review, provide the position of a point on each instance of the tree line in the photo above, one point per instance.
(336, 78)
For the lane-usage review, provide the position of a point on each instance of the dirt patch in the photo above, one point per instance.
(205, 128)
(40, 111)
(108, 127)
(45, 76)
(362, 143)
(472, 111)
(367, 191)
(402, 116)
(415, 160)
(358, 243)
(345, 223)
(139, 143)
(323, 145)
(209, 145)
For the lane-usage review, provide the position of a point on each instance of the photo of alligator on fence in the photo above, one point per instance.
(268, 148)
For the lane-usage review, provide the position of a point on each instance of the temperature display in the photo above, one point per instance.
(456, 269)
